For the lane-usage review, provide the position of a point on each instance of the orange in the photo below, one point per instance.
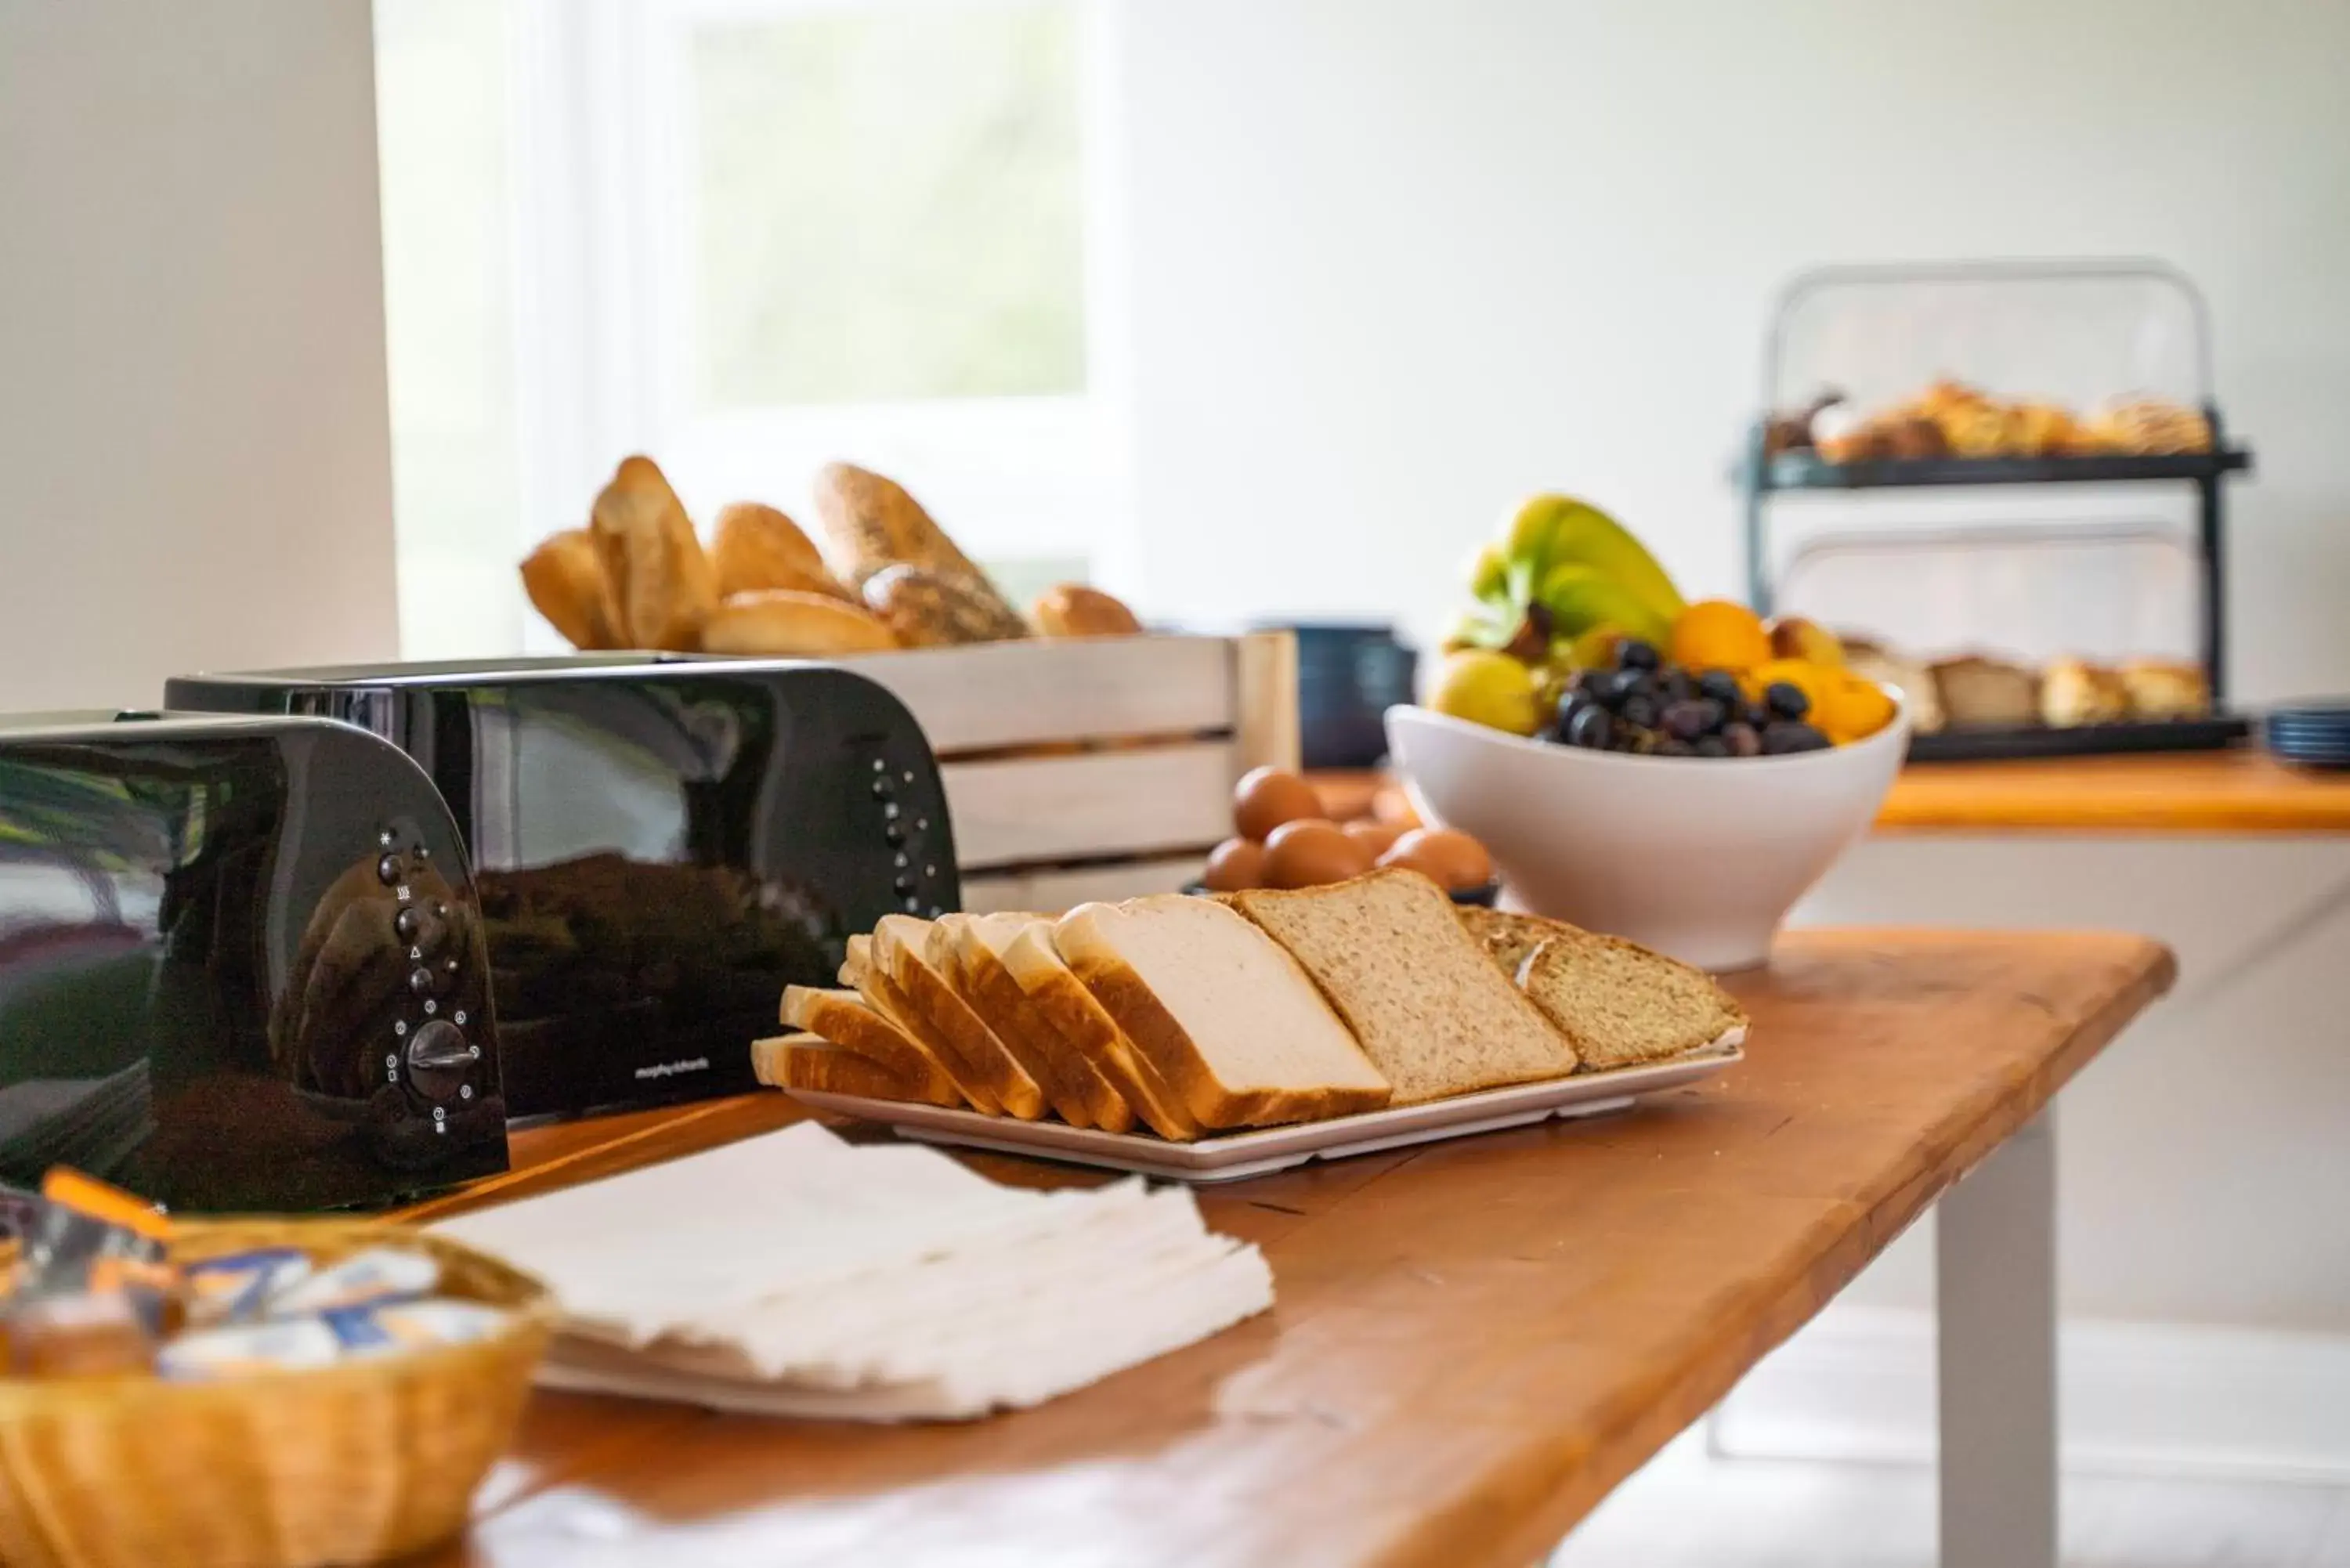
(1851, 709)
(1715, 634)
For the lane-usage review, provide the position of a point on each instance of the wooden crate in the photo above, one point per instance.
(1098, 768)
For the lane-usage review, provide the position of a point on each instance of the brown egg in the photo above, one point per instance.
(1235, 864)
(1267, 797)
(1391, 804)
(1308, 854)
(1453, 861)
(1373, 836)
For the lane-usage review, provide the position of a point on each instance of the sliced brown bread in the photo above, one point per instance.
(1226, 1019)
(901, 947)
(1434, 1013)
(1075, 1085)
(882, 993)
(1509, 937)
(806, 1062)
(1620, 1004)
(1087, 1028)
(845, 1018)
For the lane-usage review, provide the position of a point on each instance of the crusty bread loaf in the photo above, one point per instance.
(886, 999)
(933, 609)
(806, 1062)
(1086, 1027)
(778, 623)
(1225, 1017)
(1620, 1004)
(865, 523)
(660, 578)
(901, 948)
(846, 1020)
(1076, 1086)
(754, 547)
(1434, 1014)
(1073, 609)
(1506, 937)
(567, 583)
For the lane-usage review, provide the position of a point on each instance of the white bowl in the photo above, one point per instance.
(1699, 857)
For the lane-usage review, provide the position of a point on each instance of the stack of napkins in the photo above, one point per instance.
(796, 1274)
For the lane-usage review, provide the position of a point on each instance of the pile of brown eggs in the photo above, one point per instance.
(1282, 839)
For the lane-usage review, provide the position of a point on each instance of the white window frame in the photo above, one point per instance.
(605, 311)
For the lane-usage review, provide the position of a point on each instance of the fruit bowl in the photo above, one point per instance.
(1699, 858)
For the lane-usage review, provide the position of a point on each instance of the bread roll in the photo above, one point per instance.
(2074, 692)
(777, 622)
(1073, 609)
(2162, 689)
(755, 547)
(936, 610)
(665, 586)
(565, 580)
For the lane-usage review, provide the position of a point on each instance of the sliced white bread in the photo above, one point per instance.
(1084, 1027)
(1224, 1017)
(806, 1062)
(1621, 1004)
(901, 948)
(845, 1018)
(1433, 1012)
(1076, 1086)
(880, 991)
(853, 967)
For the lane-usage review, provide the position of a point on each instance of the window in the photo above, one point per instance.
(749, 237)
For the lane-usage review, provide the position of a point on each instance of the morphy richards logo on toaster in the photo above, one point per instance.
(671, 1069)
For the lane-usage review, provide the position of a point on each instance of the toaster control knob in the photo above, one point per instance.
(388, 870)
(438, 1055)
(416, 928)
(422, 982)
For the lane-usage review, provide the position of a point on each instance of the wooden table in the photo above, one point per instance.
(1474, 1341)
(2240, 791)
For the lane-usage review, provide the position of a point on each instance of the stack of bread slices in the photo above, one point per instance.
(1189, 1016)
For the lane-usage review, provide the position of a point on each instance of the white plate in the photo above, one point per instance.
(1256, 1152)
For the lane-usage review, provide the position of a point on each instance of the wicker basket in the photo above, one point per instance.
(347, 1465)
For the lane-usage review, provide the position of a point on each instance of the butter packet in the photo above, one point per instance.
(294, 1344)
(378, 1274)
(240, 1286)
(406, 1326)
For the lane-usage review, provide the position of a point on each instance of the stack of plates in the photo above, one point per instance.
(2312, 737)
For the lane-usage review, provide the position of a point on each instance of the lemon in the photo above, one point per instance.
(1488, 687)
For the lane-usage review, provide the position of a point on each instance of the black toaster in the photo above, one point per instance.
(241, 965)
(661, 844)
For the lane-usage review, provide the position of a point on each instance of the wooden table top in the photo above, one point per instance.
(1473, 1341)
(2240, 791)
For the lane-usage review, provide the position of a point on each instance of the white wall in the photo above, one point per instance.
(191, 359)
(1398, 263)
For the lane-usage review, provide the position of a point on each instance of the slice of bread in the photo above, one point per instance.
(1086, 1028)
(882, 993)
(1075, 1085)
(853, 967)
(845, 1018)
(1621, 1004)
(1433, 1012)
(1508, 938)
(805, 1062)
(901, 947)
(1220, 1014)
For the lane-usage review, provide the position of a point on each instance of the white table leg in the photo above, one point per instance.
(1996, 1266)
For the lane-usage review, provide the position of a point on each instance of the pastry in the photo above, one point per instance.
(565, 580)
(2164, 689)
(2073, 691)
(755, 547)
(937, 609)
(779, 622)
(1979, 693)
(2151, 427)
(1073, 609)
(664, 585)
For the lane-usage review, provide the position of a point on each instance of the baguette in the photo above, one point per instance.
(567, 582)
(845, 1018)
(1076, 1086)
(663, 583)
(865, 523)
(777, 622)
(933, 609)
(754, 547)
(1223, 1016)
(901, 948)
(1087, 1028)
(805, 1062)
